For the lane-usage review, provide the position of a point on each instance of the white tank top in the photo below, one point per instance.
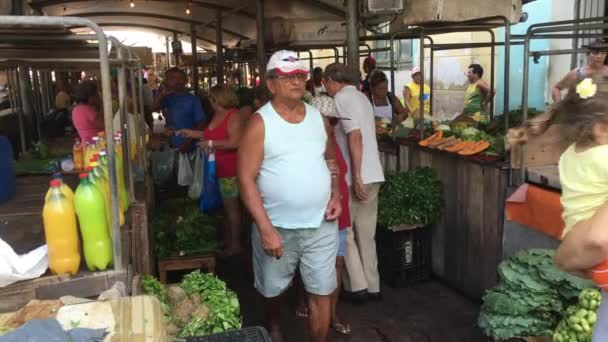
(383, 111)
(294, 181)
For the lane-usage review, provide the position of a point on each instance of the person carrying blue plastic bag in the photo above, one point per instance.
(221, 140)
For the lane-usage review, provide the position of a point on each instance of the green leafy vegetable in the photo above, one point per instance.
(413, 197)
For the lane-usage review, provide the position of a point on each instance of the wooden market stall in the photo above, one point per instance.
(48, 47)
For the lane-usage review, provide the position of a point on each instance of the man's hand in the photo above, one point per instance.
(272, 242)
(359, 189)
(190, 133)
(168, 132)
(334, 208)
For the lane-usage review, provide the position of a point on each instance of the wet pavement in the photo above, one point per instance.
(427, 312)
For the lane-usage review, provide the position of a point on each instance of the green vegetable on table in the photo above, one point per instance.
(413, 197)
(579, 320)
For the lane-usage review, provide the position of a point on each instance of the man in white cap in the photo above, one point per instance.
(286, 184)
(411, 94)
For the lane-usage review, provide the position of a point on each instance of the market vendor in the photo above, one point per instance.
(477, 97)
(596, 57)
(385, 104)
(369, 65)
(181, 109)
(411, 94)
(85, 115)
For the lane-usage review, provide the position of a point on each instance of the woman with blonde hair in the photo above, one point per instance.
(222, 136)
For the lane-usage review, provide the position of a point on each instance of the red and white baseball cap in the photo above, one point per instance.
(286, 63)
(415, 70)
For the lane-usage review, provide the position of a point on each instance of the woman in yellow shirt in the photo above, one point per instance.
(411, 95)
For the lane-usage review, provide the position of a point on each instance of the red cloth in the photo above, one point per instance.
(344, 219)
(537, 208)
(225, 160)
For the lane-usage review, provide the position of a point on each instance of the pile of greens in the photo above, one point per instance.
(200, 305)
(181, 228)
(413, 197)
(530, 297)
(579, 320)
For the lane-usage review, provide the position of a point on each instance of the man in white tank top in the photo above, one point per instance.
(288, 180)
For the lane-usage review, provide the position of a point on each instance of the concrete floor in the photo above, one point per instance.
(428, 312)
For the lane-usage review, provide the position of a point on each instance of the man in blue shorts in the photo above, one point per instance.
(286, 183)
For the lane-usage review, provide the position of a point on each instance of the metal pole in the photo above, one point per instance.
(392, 62)
(219, 51)
(168, 53)
(138, 114)
(421, 98)
(124, 126)
(507, 73)
(577, 15)
(195, 81)
(143, 159)
(492, 68)
(13, 80)
(46, 91)
(431, 77)
(524, 97)
(37, 102)
(310, 60)
(260, 40)
(336, 54)
(352, 34)
(176, 52)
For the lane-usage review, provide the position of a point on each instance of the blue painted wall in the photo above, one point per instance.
(538, 11)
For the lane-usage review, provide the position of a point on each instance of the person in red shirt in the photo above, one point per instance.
(222, 136)
(326, 106)
(85, 115)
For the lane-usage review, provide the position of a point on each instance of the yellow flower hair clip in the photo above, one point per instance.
(586, 88)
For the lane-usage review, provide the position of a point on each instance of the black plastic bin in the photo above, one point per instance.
(404, 257)
(249, 334)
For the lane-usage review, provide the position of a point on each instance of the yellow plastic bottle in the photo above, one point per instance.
(102, 140)
(61, 232)
(65, 189)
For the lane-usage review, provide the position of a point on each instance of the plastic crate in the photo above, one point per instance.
(404, 257)
(250, 334)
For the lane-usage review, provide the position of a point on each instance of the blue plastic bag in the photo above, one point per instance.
(211, 199)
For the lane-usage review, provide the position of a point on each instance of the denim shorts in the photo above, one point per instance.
(342, 242)
(600, 332)
(313, 250)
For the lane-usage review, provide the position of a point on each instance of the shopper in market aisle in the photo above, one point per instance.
(315, 85)
(385, 104)
(369, 65)
(181, 109)
(286, 184)
(85, 115)
(596, 58)
(411, 95)
(477, 97)
(356, 136)
(583, 173)
(222, 136)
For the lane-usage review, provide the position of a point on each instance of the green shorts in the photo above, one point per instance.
(228, 187)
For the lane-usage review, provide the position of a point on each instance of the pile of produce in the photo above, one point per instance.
(579, 321)
(413, 197)
(530, 297)
(200, 305)
(464, 140)
(180, 228)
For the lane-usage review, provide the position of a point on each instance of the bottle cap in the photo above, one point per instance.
(89, 168)
(102, 153)
(55, 183)
(83, 175)
(95, 139)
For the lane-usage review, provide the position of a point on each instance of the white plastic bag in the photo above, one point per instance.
(184, 170)
(194, 192)
(15, 267)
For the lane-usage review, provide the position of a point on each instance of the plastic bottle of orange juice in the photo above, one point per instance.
(78, 155)
(65, 189)
(101, 144)
(61, 232)
(90, 150)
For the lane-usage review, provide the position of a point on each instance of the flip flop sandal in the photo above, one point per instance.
(343, 329)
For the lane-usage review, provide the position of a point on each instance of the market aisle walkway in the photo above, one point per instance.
(429, 312)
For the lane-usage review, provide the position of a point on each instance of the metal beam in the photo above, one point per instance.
(156, 16)
(195, 59)
(219, 55)
(261, 57)
(151, 27)
(40, 4)
(327, 8)
(352, 34)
